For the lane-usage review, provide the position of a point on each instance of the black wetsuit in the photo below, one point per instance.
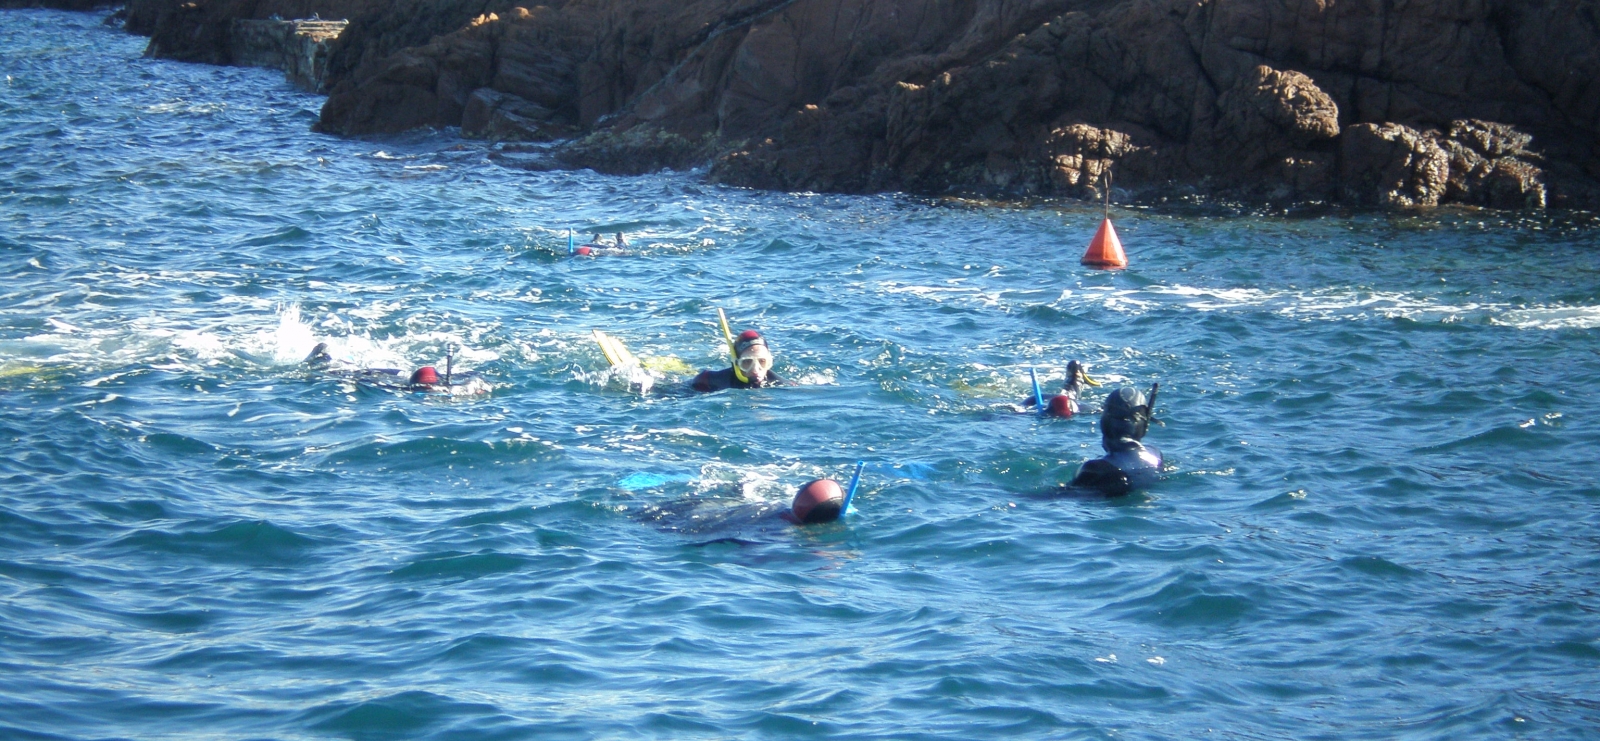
(1128, 463)
(385, 378)
(717, 380)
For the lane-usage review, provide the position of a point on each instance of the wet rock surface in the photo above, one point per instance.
(1482, 102)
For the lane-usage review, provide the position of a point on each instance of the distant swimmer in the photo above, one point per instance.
(1065, 404)
(752, 368)
(597, 247)
(1128, 463)
(424, 380)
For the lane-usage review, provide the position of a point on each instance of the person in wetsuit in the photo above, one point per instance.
(1065, 404)
(422, 380)
(754, 364)
(1128, 463)
(735, 519)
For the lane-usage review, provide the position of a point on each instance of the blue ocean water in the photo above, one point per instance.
(1380, 520)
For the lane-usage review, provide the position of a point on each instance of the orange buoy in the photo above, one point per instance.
(1105, 250)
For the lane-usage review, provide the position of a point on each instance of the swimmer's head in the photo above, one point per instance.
(319, 355)
(818, 501)
(1124, 413)
(1061, 405)
(425, 376)
(1078, 376)
(755, 359)
(585, 249)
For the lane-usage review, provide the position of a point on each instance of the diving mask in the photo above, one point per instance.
(756, 361)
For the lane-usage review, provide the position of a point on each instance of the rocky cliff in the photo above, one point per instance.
(1393, 103)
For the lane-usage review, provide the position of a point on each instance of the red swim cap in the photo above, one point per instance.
(425, 375)
(1061, 405)
(818, 501)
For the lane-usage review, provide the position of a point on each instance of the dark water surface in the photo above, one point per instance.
(1380, 520)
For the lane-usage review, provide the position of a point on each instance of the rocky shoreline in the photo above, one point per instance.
(1370, 103)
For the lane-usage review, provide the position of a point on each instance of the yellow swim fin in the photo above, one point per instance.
(668, 364)
(616, 353)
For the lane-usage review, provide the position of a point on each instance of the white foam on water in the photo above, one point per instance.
(1566, 317)
(1336, 304)
(259, 333)
(824, 377)
(942, 294)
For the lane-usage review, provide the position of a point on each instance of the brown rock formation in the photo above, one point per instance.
(1488, 102)
(79, 5)
(202, 30)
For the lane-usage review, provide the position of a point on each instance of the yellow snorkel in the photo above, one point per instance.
(727, 334)
(1087, 379)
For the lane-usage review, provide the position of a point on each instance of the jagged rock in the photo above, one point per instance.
(1082, 156)
(298, 47)
(1273, 105)
(203, 30)
(424, 86)
(1491, 166)
(1250, 99)
(1477, 163)
(503, 117)
(1392, 165)
(636, 151)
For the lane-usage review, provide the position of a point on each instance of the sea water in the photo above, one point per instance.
(1379, 519)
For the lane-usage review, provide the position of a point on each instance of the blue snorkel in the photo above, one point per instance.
(1038, 396)
(855, 481)
(572, 247)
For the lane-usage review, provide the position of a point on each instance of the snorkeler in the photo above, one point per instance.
(817, 502)
(1065, 404)
(424, 380)
(736, 519)
(1128, 463)
(598, 248)
(752, 367)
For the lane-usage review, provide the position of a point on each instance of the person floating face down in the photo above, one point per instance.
(1128, 463)
(754, 363)
(817, 502)
(425, 379)
(1065, 404)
